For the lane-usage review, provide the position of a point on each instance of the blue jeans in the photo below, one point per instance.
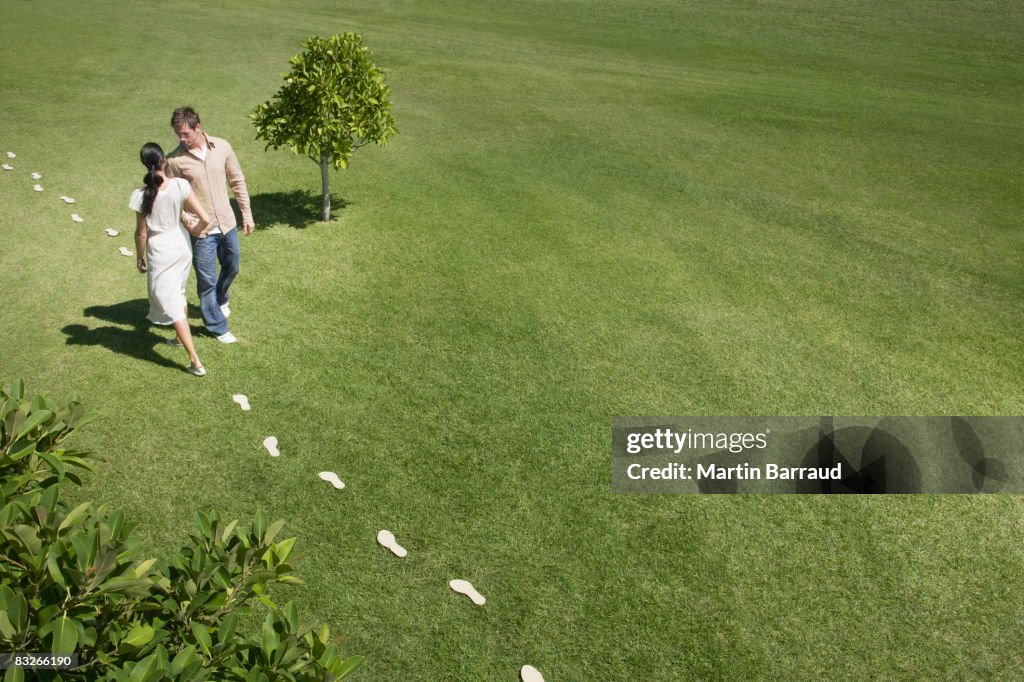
(213, 288)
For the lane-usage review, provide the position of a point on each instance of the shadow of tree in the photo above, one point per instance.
(139, 341)
(299, 209)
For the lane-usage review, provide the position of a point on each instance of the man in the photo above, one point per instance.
(210, 165)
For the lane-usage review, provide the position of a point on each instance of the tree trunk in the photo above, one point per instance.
(325, 176)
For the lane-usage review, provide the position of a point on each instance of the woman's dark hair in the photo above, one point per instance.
(152, 157)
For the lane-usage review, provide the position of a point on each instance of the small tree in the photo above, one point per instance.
(332, 102)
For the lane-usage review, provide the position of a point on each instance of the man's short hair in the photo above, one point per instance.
(184, 116)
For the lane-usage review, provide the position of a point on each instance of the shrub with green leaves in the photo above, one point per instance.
(72, 579)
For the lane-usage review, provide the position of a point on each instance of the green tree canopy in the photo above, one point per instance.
(332, 102)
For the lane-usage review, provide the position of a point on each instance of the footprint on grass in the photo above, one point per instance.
(333, 479)
(270, 443)
(111, 232)
(123, 251)
(77, 218)
(242, 400)
(7, 166)
(66, 200)
(11, 155)
(38, 188)
(530, 674)
(465, 587)
(387, 539)
(36, 176)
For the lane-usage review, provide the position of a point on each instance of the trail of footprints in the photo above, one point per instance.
(38, 187)
(385, 538)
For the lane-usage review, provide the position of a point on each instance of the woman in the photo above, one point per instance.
(160, 235)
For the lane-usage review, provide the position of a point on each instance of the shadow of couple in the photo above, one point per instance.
(139, 341)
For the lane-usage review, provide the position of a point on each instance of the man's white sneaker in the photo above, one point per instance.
(226, 310)
(227, 337)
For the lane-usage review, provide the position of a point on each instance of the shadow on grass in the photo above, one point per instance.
(127, 312)
(139, 341)
(297, 209)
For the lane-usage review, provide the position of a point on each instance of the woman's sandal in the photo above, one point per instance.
(199, 371)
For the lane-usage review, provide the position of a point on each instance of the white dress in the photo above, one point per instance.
(168, 251)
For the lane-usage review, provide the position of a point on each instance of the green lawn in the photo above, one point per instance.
(611, 207)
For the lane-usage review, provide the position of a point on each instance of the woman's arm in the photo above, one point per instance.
(140, 242)
(193, 206)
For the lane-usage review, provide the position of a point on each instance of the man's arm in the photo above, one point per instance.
(188, 218)
(193, 207)
(237, 182)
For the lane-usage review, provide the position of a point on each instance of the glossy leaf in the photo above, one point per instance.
(139, 636)
(202, 634)
(65, 636)
(184, 659)
(349, 665)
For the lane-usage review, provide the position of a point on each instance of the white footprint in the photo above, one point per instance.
(387, 539)
(36, 176)
(242, 401)
(111, 232)
(124, 251)
(7, 166)
(530, 674)
(38, 188)
(333, 479)
(11, 155)
(270, 443)
(465, 587)
(66, 200)
(77, 218)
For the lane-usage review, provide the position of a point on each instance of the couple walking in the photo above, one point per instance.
(184, 218)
